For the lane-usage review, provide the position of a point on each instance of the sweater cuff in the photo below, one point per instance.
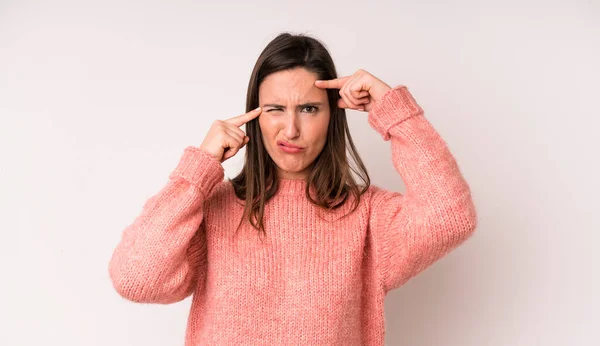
(395, 106)
(200, 169)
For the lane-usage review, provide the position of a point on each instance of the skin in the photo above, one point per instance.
(292, 120)
(289, 112)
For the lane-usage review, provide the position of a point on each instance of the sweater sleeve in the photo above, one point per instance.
(436, 214)
(162, 255)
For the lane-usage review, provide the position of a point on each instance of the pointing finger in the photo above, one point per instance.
(331, 83)
(244, 118)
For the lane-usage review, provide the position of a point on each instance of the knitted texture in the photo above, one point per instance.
(315, 279)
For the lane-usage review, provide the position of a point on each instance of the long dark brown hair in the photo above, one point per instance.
(331, 172)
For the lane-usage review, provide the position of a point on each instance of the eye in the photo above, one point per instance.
(274, 109)
(314, 109)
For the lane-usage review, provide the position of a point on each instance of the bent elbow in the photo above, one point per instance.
(138, 287)
(466, 223)
(128, 286)
(456, 225)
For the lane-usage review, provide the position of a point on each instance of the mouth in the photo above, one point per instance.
(288, 147)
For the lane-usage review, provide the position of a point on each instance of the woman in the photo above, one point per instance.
(293, 250)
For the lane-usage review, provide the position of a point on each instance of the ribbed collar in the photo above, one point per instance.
(294, 187)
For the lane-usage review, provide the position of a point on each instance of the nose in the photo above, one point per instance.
(291, 128)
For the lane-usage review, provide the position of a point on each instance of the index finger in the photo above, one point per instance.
(244, 118)
(331, 83)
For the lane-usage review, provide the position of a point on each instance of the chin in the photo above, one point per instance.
(290, 170)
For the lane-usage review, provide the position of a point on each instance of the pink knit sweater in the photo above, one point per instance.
(314, 280)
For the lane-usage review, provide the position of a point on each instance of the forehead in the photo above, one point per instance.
(295, 85)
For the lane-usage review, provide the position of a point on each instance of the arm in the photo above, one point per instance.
(436, 214)
(162, 255)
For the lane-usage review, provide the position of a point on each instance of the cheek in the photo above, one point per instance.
(267, 125)
(264, 128)
(267, 128)
(319, 129)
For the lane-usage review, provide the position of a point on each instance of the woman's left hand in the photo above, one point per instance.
(360, 91)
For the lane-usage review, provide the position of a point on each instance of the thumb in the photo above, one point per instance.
(230, 153)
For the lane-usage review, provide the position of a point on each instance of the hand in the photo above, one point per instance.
(360, 91)
(224, 138)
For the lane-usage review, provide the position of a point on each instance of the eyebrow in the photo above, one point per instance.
(299, 106)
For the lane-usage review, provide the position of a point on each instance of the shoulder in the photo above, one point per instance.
(221, 195)
(376, 195)
(375, 190)
(369, 197)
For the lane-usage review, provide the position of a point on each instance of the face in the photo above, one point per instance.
(295, 114)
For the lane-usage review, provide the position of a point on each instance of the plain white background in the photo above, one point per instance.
(99, 99)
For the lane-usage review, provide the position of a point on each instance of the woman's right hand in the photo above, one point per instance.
(225, 138)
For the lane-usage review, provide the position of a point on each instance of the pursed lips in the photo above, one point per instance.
(289, 145)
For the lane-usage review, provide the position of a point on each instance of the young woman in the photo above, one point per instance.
(294, 250)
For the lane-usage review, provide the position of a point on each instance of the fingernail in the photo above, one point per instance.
(257, 109)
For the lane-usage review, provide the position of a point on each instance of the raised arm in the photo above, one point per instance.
(162, 255)
(436, 213)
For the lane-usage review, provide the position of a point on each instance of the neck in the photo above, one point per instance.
(292, 186)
